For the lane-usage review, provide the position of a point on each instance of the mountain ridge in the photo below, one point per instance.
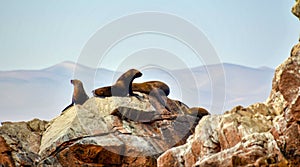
(30, 91)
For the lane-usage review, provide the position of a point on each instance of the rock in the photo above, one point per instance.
(257, 149)
(296, 9)
(285, 99)
(93, 134)
(5, 151)
(131, 131)
(263, 134)
(20, 142)
(240, 137)
(37, 125)
(286, 82)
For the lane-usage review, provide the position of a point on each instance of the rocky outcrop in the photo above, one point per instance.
(240, 137)
(286, 91)
(6, 155)
(296, 9)
(93, 135)
(137, 131)
(285, 87)
(20, 142)
(112, 131)
(264, 134)
(285, 99)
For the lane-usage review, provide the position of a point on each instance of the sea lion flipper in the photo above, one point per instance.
(70, 105)
(158, 96)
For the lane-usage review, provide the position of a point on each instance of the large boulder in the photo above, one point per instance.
(94, 135)
(112, 131)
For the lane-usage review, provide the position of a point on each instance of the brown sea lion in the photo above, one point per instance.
(122, 87)
(79, 95)
(145, 87)
(102, 92)
(158, 100)
(156, 90)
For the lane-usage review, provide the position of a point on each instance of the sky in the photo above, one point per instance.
(37, 34)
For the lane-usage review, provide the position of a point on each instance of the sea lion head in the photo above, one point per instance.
(138, 74)
(132, 74)
(102, 92)
(76, 82)
(127, 77)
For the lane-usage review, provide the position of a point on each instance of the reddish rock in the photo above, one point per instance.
(5, 154)
(23, 140)
(240, 137)
(89, 155)
(292, 140)
(286, 86)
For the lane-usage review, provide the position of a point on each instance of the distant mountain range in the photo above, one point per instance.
(27, 94)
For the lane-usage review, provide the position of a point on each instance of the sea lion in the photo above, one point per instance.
(102, 92)
(145, 87)
(79, 95)
(157, 91)
(158, 100)
(122, 87)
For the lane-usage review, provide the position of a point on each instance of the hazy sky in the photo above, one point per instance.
(37, 34)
